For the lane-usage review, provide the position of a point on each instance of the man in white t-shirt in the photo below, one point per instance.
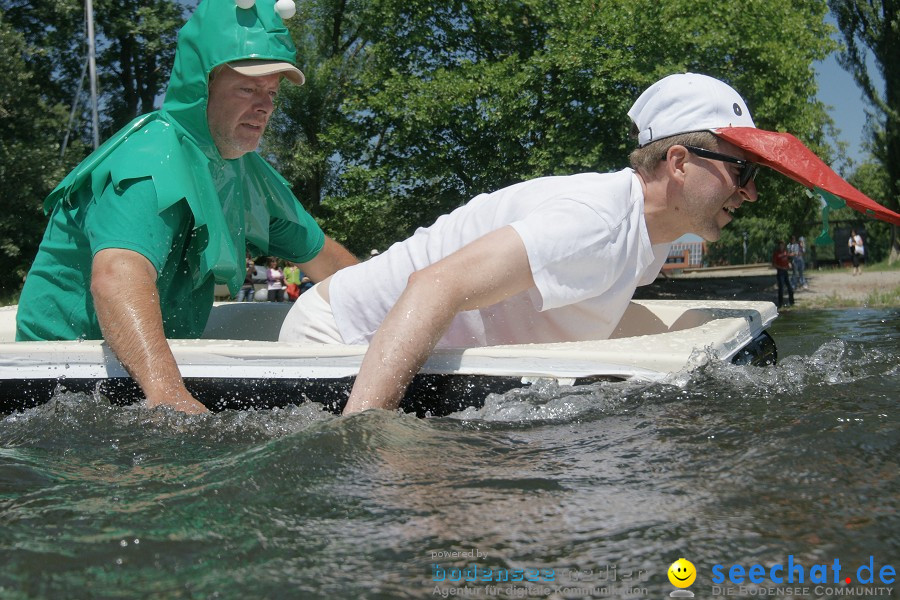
(548, 260)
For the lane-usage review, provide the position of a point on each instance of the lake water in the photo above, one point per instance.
(590, 492)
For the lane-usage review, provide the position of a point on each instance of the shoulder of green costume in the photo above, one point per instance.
(150, 147)
(266, 167)
(261, 175)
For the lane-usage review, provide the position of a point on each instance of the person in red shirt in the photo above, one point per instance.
(781, 260)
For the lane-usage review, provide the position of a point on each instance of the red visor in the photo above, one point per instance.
(787, 155)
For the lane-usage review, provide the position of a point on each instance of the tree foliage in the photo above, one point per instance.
(442, 101)
(411, 107)
(305, 134)
(871, 179)
(135, 56)
(871, 29)
(135, 45)
(31, 128)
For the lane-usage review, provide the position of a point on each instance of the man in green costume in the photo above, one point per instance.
(143, 228)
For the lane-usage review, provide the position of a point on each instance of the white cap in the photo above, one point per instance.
(258, 68)
(685, 103)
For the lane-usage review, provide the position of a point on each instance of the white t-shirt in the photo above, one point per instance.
(274, 279)
(587, 245)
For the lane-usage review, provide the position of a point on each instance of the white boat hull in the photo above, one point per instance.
(655, 338)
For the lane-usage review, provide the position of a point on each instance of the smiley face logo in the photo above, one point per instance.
(682, 573)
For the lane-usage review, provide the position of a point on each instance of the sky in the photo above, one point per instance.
(845, 100)
(847, 107)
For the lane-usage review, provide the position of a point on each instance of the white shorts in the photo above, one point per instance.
(310, 320)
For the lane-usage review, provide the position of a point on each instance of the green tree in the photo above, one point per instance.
(136, 50)
(54, 33)
(135, 45)
(447, 100)
(31, 128)
(871, 29)
(305, 135)
(871, 179)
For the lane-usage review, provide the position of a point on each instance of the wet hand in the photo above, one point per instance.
(181, 401)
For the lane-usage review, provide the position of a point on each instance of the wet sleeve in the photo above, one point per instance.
(296, 242)
(128, 217)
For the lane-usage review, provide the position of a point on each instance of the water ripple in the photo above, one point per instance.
(725, 464)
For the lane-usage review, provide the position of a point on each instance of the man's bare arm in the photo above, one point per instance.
(123, 284)
(480, 274)
(331, 258)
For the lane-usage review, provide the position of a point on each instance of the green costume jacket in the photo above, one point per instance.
(160, 187)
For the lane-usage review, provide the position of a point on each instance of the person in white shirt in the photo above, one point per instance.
(857, 250)
(548, 260)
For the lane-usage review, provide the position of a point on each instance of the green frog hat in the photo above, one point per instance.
(232, 201)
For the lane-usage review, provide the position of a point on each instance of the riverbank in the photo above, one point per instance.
(828, 288)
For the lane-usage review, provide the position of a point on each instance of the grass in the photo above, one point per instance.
(875, 299)
(884, 298)
(882, 266)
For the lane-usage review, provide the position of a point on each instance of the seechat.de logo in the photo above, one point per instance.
(795, 572)
(830, 578)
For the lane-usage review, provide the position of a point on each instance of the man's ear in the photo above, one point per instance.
(676, 158)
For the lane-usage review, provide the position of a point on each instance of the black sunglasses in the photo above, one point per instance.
(748, 169)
